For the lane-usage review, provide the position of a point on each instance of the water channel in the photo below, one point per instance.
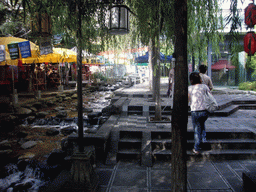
(30, 176)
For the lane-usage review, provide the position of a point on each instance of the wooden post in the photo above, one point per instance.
(180, 107)
(79, 79)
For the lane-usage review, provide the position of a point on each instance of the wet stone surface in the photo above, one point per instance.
(31, 132)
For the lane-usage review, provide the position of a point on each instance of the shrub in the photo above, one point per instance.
(247, 86)
(98, 75)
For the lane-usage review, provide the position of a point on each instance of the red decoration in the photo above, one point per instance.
(250, 43)
(20, 65)
(250, 15)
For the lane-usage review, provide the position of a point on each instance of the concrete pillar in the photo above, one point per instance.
(61, 88)
(146, 110)
(38, 94)
(15, 97)
(124, 110)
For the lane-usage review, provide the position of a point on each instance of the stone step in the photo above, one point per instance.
(247, 106)
(249, 181)
(130, 140)
(128, 154)
(217, 154)
(226, 111)
(209, 154)
(209, 144)
(130, 134)
(129, 146)
(211, 134)
(130, 151)
(149, 145)
(167, 110)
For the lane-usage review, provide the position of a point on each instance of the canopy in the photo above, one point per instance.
(142, 64)
(89, 58)
(8, 40)
(222, 64)
(144, 58)
(58, 55)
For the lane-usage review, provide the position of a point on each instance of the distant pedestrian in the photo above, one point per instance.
(170, 83)
(199, 114)
(205, 78)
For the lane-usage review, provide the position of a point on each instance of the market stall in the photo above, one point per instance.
(11, 62)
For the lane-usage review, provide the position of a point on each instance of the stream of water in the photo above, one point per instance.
(31, 179)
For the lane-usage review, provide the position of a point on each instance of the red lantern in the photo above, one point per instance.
(250, 15)
(250, 43)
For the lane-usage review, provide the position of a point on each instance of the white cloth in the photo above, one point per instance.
(197, 96)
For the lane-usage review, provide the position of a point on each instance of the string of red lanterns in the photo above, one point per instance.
(250, 37)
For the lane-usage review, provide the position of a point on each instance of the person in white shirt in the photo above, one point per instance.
(170, 83)
(205, 78)
(196, 96)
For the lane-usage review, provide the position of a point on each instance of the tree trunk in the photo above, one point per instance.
(156, 53)
(154, 56)
(154, 65)
(150, 66)
(180, 107)
(79, 79)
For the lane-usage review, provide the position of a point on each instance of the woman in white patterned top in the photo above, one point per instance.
(199, 114)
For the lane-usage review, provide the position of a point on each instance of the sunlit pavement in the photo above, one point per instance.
(203, 175)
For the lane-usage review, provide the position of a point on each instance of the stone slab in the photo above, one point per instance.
(130, 178)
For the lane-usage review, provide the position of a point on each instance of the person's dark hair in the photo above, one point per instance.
(195, 78)
(202, 68)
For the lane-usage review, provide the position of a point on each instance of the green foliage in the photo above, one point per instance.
(247, 86)
(12, 19)
(153, 19)
(203, 26)
(98, 75)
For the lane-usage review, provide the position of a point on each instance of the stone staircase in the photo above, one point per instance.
(148, 142)
(149, 146)
(144, 106)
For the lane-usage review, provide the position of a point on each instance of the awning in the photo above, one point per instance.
(144, 58)
(59, 55)
(142, 64)
(222, 64)
(8, 40)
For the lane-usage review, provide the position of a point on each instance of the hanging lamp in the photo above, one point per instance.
(119, 20)
(41, 25)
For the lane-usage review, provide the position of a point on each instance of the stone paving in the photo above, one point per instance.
(213, 176)
(204, 175)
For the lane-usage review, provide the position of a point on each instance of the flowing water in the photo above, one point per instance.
(32, 178)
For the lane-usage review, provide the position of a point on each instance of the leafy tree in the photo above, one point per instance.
(12, 19)
(203, 26)
(154, 19)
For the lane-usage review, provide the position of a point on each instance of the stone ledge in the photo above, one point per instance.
(249, 181)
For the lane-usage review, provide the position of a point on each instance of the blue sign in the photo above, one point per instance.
(25, 49)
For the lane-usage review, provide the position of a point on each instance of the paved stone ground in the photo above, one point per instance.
(213, 176)
(208, 175)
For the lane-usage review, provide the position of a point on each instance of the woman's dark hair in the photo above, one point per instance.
(195, 78)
